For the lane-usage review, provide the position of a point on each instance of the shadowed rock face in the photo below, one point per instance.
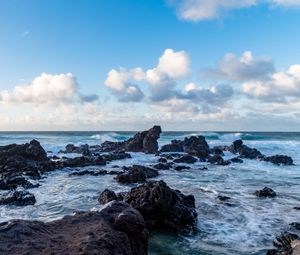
(265, 192)
(28, 159)
(135, 174)
(18, 198)
(286, 244)
(252, 153)
(194, 145)
(145, 141)
(162, 206)
(118, 229)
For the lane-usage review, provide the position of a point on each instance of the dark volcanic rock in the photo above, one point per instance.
(236, 160)
(82, 149)
(186, 159)
(118, 229)
(223, 198)
(107, 196)
(265, 192)
(28, 159)
(280, 160)
(162, 160)
(18, 198)
(180, 168)
(136, 174)
(82, 161)
(194, 145)
(90, 172)
(162, 206)
(13, 183)
(252, 153)
(162, 166)
(286, 244)
(296, 225)
(145, 141)
(218, 160)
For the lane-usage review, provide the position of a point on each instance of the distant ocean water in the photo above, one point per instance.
(247, 227)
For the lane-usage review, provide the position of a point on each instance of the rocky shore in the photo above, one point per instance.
(124, 224)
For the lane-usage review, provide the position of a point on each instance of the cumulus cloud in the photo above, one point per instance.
(242, 68)
(46, 89)
(197, 10)
(279, 87)
(161, 79)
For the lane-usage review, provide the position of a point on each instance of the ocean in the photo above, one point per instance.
(246, 227)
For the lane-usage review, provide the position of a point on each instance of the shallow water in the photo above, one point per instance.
(248, 226)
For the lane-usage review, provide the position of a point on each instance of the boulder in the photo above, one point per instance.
(286, 244)
(107, 196)
(18, 198)
(162, 206)
(218, 160)
(145, 141)
(136, 174)
(162, 166)
(118, 229)
(180, 168)
(188, 159)
(280, 160)
(265, 192)
(194, 145)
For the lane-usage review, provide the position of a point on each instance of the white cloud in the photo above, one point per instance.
(279, 87)
(46, 88)
(161, 79)
(196, 10)
(287, 3)
(230, 67)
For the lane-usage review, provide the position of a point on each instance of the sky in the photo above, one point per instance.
(207, 65)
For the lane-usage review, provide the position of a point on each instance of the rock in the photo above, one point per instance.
(162, 206)
(297, 207)
(252, 153)
(296, 225)
(28, 159)
(82, 149)
(89, 172)
(286, 244)
(280, 160)
(180, 168)
(18, 198)
(162, 166)
(218, 160)
(265, 192)
(223, 198)
(13, 183)
(218, 150)
(188, 159)
(162, 160)
(203, 168)
(145, 141)
(118, 229)
(118, 155)
(236, 160)
(81, 162)
(194, 145)
(136, 174)
(107, 196)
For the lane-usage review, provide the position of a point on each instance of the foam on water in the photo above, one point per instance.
(247, 226)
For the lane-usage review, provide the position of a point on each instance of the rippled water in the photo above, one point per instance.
(248, 226)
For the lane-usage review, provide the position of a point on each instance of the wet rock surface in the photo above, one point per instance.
(286, 244)
(162, 206)
(194, 145)
(265, 192)
(188, 159)
(135, 174)
(145, 141)
(118, 229)
(18, 198)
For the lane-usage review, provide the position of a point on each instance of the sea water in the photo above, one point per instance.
(246, 226)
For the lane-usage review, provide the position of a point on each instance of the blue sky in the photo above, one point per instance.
(56, 58)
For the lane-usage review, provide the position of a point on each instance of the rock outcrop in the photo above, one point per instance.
(118, 229)
(286, 244)
(194, 145)
(162, 206)
(136, 174)
(145, 141)
(265, 192)
(18, 198)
